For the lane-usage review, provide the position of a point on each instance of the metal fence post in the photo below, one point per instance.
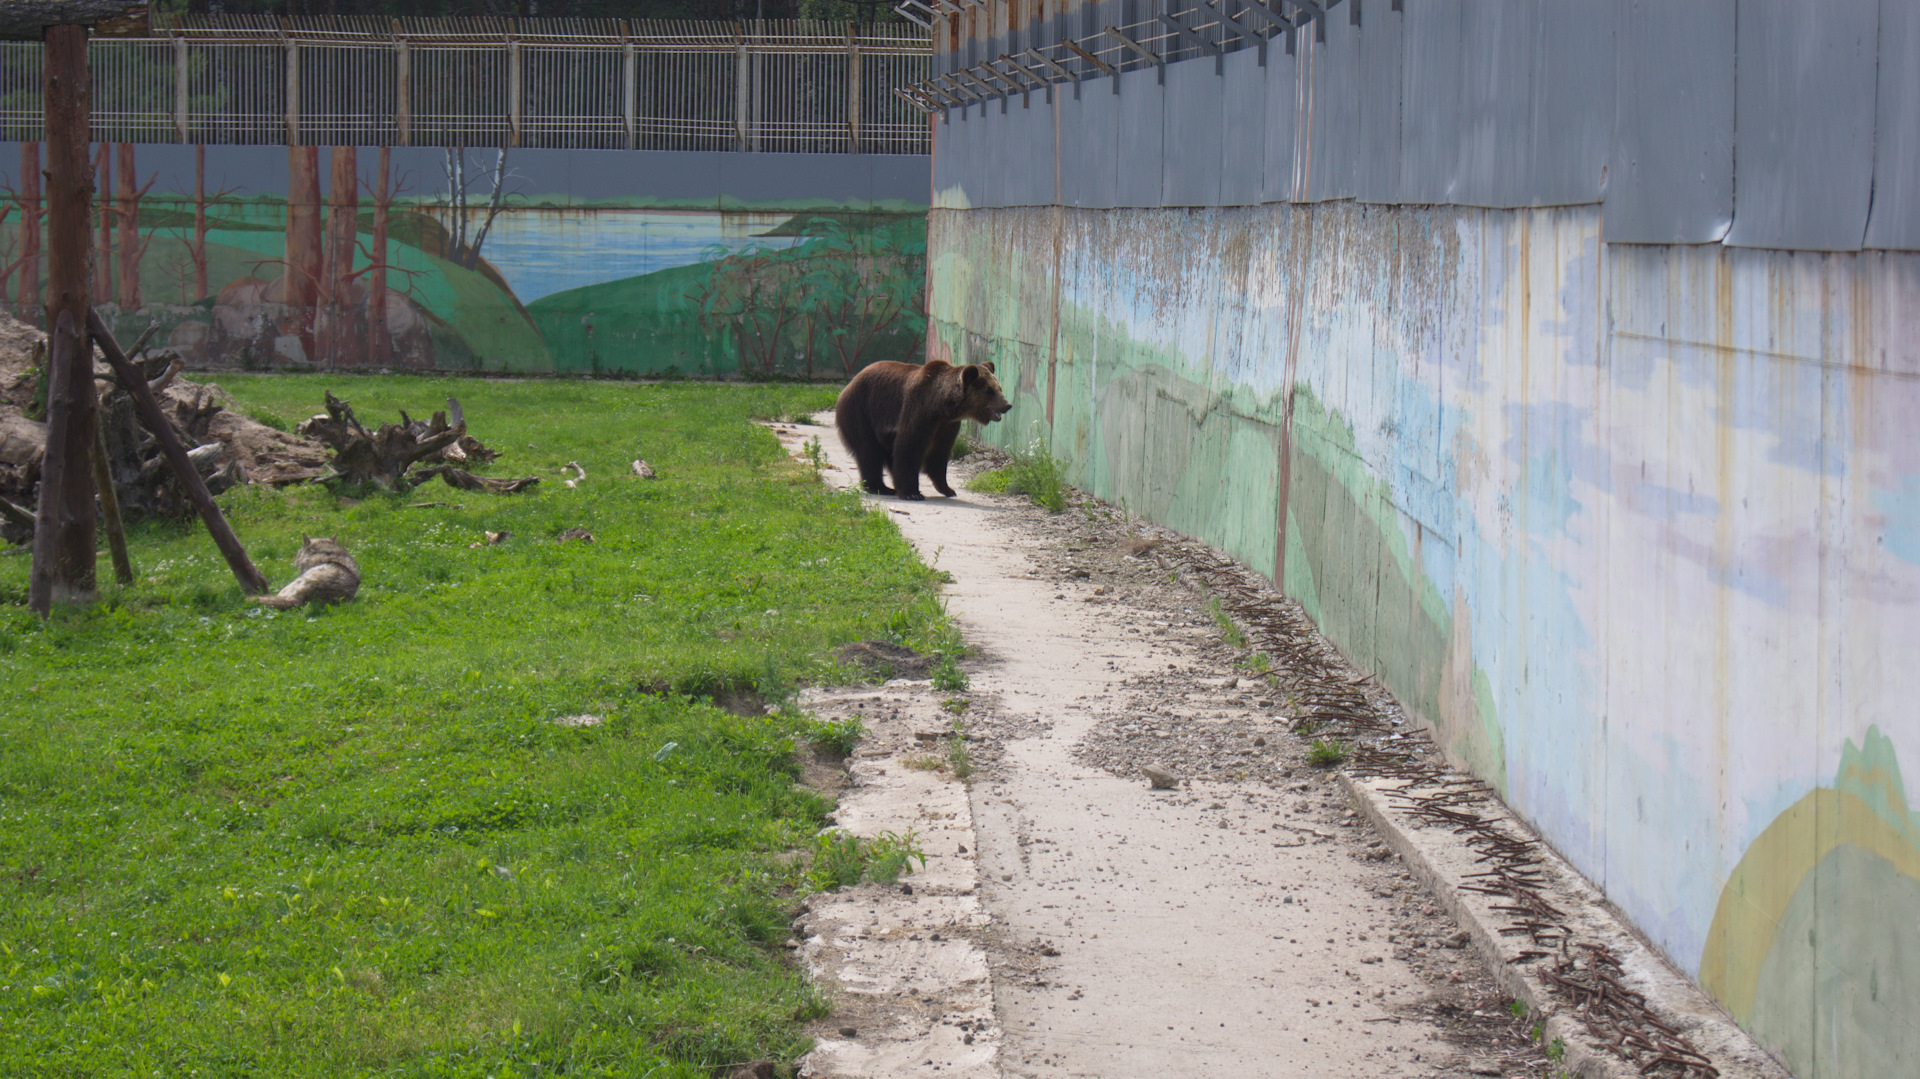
(740, 92)
(180, 111)
(513, 93)
(629, 87)
(293, 92)
(403, 91)
(853, 90)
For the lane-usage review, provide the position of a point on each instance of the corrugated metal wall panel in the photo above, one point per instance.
(1377, 173)
(1282, 113)
(1895, 219)
(1029, 162)
(1190, 172)
(1100, 112)
(1243, 144)
(1500, 41)
(1142, 105)
(1430, 101)
(1670, 177)
(1573, 106)
(1803, 142)
(1330, 127)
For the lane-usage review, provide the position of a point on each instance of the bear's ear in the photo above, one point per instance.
(989, 366)
(970, 376)
(305, 539)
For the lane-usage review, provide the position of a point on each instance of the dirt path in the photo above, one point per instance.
(1245, 923)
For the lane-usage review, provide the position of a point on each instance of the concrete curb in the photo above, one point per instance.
(1441, 860)
(905, 963)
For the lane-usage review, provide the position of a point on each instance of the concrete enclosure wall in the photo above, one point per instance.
(1635, 529)
(520, 260)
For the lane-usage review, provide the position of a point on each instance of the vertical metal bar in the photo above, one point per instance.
(853, 90)
(740, 93)
(293, 92)
(513, 93)
(180, 113)
(629, 89)
(403, 91)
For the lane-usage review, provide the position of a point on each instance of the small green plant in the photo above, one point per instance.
(1326, 753)
(1538, 1032)
(956, 705)
(837, 736)
(1033, 472)
(948, 677)
(816, 453)
(842, 859)
(1229, 631)
(957, 755)
(1557, 1050)
(1257, 662)
(1518, 1008)
(925, 763)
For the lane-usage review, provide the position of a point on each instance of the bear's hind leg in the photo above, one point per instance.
(857, 434)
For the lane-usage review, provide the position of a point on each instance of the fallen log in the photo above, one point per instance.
(28, 20)
(135, 380)
(467, 481)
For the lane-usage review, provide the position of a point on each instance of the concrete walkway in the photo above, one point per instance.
(1244, 924)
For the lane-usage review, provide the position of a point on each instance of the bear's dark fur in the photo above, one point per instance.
(905, 417)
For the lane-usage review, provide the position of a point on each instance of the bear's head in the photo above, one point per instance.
(981, 398)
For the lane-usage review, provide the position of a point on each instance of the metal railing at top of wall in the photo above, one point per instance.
(1200, 28)
(807, 87)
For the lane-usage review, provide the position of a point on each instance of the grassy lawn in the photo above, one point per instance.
(350, 842)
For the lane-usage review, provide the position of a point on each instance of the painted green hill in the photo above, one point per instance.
(645, 325)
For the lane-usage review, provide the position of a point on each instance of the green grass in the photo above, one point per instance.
(1032, 472)
(349, 842)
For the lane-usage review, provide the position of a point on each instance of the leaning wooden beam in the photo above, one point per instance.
(28, 20)
(135, 382)
(110, 506)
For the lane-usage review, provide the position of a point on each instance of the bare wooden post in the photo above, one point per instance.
(135, 381)
(29, 303)
(63, 536)
(103, 257)
(127, 218)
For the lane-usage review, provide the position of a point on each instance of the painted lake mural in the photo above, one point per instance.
(636, 263)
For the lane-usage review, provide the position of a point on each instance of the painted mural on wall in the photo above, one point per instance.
(603, 262)
(1635, 529)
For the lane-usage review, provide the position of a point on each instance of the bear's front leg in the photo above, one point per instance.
(939, 452)
(909, 451)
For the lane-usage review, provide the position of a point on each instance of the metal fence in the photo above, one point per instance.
(975, 70)
(808, 87)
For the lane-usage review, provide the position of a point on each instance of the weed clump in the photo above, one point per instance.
(948, 677)
(1327, 753)
(837, 737)
(1033, 472)
(842, 859)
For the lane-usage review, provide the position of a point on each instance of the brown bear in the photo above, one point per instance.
(905, 417)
